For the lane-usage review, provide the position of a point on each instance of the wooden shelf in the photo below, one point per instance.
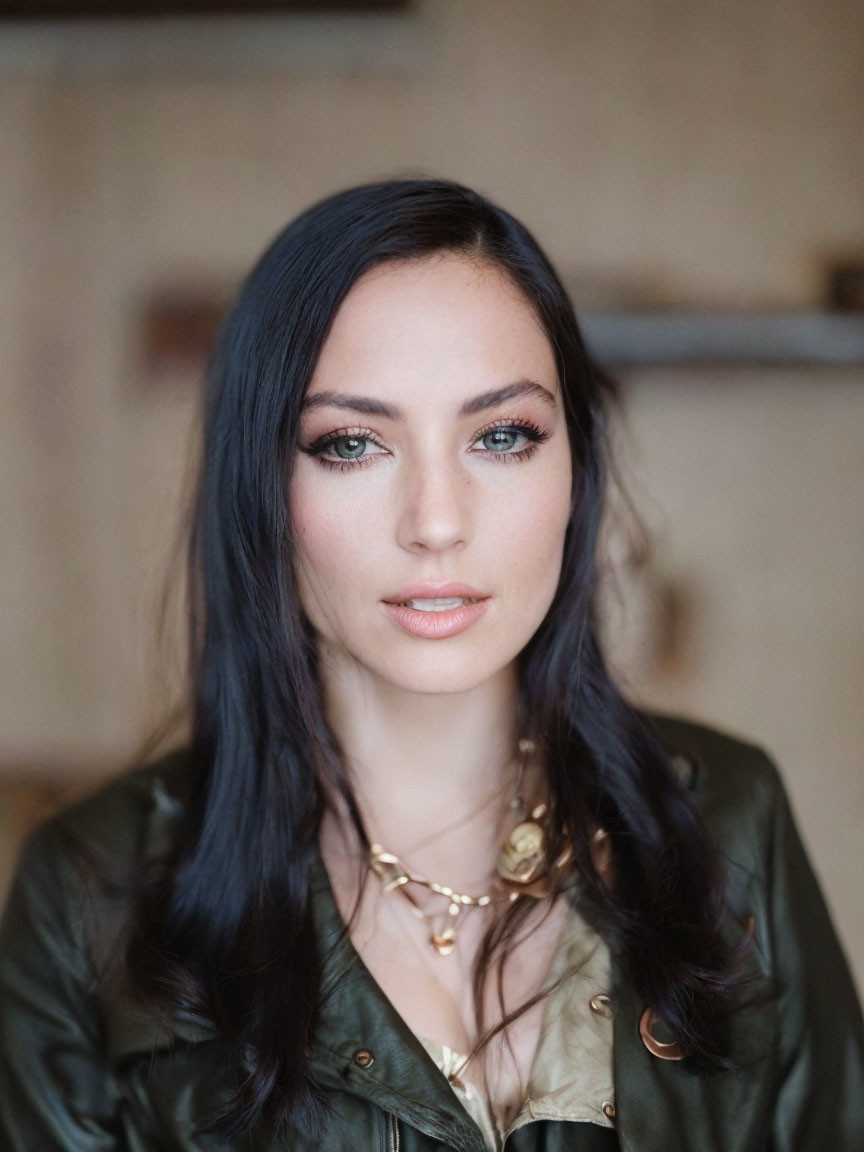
(636, 339)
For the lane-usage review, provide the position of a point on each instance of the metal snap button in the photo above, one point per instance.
(601, 1004)
(608, 1109)
(363, 1058)
(683, 769)
(671, 1050)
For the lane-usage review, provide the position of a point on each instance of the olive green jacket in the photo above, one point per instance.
(83, 1069)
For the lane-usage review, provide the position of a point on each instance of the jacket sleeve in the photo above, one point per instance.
(56, 1091)
(820, 1102)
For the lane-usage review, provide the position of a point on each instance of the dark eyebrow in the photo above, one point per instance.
(370, 407)
(508, 392)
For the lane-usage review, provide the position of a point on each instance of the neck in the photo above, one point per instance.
(433, 775)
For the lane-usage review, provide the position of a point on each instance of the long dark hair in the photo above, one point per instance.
(229, 926)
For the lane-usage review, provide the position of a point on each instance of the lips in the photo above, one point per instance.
(435, 623)
(436, 611)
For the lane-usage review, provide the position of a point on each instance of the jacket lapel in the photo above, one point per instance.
(357, 1022)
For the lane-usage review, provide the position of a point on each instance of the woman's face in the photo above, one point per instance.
(433, 452)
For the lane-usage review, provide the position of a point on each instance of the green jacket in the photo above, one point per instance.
(82, 1068)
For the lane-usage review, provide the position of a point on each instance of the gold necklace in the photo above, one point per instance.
(523, 869)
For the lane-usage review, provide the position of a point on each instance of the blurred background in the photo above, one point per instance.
(695, 169)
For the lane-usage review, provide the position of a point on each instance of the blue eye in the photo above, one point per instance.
(500, 438)
(348, 448)
(348, 445)
(353, 446)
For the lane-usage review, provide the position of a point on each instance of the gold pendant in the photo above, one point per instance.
(523, 857)
(443, 942)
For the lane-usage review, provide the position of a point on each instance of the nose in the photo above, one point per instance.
(433, 504)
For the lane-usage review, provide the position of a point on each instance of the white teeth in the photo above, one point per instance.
(440, 605)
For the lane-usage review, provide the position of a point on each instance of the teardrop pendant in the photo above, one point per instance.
(443, 942)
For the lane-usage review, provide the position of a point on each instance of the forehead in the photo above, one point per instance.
(446, 319)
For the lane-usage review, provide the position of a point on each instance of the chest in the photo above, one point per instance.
(439, 997)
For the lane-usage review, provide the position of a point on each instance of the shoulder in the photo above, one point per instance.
(84, 857)
(68, 907)
(719, 764)
(131, 814)
(733, 781)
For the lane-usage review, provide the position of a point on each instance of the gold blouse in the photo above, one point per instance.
(571, 1075)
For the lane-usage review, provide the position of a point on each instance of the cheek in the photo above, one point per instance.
(314, 536)
(331, 541)
(534, 524)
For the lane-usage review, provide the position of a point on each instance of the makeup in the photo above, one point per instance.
(436, 624)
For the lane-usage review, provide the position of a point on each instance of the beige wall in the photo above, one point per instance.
(696, 152)
(752, 486)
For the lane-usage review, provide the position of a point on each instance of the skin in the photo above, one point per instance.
(427, 726)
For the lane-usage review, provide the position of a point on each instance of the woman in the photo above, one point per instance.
(422, 878)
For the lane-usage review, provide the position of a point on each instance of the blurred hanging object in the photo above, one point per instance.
(177, 328)
(112, 9)
(846, 285)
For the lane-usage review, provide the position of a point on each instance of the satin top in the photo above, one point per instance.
(571, 1075)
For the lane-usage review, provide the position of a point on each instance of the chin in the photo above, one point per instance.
(441, 673)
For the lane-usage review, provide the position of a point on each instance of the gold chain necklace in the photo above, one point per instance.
(523, 868)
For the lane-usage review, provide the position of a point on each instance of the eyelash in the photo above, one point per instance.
(534, 434)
